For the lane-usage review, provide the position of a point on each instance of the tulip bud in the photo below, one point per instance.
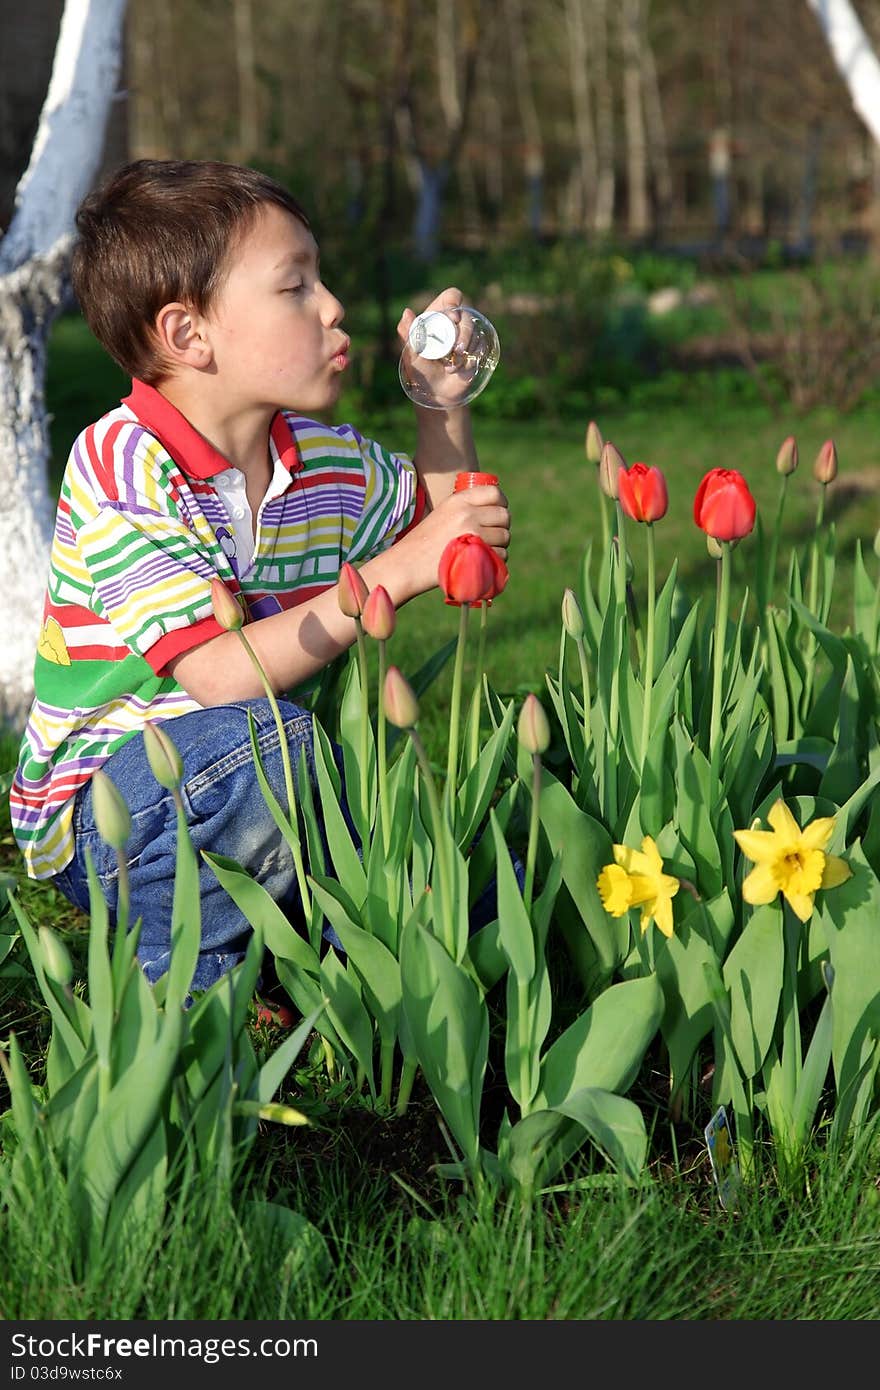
(351, 590)
(594, 442)
(610, 465)
(533, 728)
(56, 957)
(400, 704)
(572, 617)
(227, 609)
(379, 614)
(165, 762)
(282, 1114)
(112, 819)
(825, 467)
(787, 458)
(877, 545)
(715, 548)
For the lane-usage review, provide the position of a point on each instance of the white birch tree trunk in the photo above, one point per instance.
(854, 57)
(33, 264)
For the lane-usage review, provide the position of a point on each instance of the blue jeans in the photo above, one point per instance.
(226, 813)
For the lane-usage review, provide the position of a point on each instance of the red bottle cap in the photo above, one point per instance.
(466, 480)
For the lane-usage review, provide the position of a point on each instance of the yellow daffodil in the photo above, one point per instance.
(790, 861)
(636, 879)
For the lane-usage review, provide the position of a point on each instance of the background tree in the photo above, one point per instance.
(33, 265)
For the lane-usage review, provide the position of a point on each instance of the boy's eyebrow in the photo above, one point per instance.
(299, 258)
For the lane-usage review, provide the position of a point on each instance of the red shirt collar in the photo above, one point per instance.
(190, 450)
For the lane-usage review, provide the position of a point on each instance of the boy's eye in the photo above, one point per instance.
(292, 289)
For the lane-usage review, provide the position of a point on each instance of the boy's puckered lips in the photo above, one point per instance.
(340, 356)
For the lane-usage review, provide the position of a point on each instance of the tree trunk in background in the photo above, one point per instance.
(659, 153)
(638, 218)
(524, 91)
(859, 67)
(454, 91)
(248, 96)
(854, 56)
(33, 261)
(579, 77)
(603, 220)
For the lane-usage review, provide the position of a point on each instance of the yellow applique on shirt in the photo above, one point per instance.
(51, 644)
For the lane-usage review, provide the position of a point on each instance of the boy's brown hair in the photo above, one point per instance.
(160, 230)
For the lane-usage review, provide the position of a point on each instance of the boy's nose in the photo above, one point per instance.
(332, 311)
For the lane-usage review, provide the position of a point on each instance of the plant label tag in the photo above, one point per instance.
(722, 1158)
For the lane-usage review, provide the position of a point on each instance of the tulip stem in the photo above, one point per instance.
(455, 712)
(386, 1054)
(474, 751)
(585, 685)
(382, 756)
(446, 906)
(813, 604)
(305, 895)
(722, 605)
(534, 826)
(774, 541)
(606, 527)
(365, 727)
(648, 685)
(792, 1053)
(408, 1070)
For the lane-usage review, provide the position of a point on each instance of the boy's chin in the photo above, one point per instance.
(315, 402)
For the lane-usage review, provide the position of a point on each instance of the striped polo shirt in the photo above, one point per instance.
(141, 530)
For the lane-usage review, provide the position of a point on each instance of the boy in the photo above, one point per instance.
(202, 281)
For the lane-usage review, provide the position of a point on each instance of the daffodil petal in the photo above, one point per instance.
(801, 905)
(757, 845)
(836, 871)
(652, 854)
(633, 860)
(783, 822)
(817, 834)
(760, 886)
(663, 915)
(615, 890)
(643, 888)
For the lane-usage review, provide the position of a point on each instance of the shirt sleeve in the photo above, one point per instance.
(393, 500)
(149, 568)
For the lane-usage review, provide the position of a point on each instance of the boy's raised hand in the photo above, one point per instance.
(480, 511)
(450, 298)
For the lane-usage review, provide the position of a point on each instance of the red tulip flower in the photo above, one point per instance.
(470, 571)
(642, 492)
(723, 506)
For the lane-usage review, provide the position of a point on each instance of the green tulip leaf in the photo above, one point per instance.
(514, 923)
(688, 1016)
(261, 910)
(850, 914)
(449, 1026)
(753, 975)
(585, 848)
(615, 1125)
(348, 1015)
(606, 1045)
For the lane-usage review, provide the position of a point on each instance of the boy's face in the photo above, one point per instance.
(274, 326)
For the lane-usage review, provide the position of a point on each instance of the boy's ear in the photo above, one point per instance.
(181, 336)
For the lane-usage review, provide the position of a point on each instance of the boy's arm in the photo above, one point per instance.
(444, 440)
(296, 644)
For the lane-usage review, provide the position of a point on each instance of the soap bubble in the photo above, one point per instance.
(448, 357)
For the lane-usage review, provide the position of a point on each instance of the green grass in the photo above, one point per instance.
(664, 1250)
